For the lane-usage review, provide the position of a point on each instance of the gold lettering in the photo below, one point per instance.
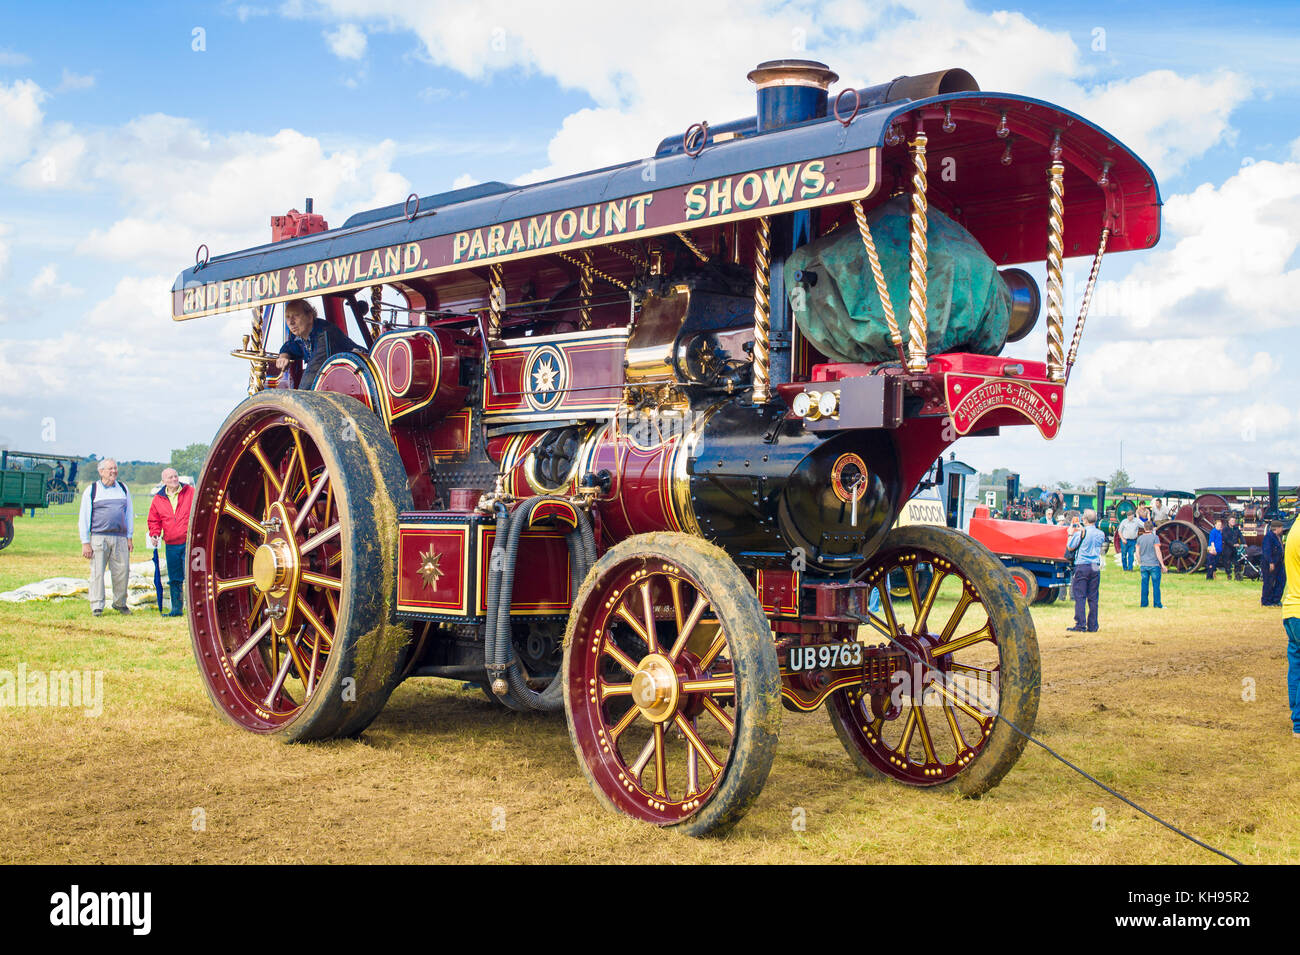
(814, 179)
(639, 204)
(565, 225)
(309, 277)
(458, 245)
(748, 190)
(695, 201)
(516, 240)
(412, 257)
(539, 235)
(292, 285)
(392, 260)
(780, 183)
(720, 196)
(377, 267)
(476, 248)
(496, 240)
(324, 274)
(342, 269)
(590, 223)
(616, 216)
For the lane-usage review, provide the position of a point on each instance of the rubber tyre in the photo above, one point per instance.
(753, 655)
(1020, 669)
(6, 532)
(369, 490)
(1025, 582)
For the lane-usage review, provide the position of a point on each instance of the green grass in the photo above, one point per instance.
(1153, 704)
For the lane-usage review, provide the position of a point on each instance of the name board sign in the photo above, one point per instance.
(775, 189)
(972, 397)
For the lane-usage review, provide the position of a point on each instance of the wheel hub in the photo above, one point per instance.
(655, 688)
(272, 566)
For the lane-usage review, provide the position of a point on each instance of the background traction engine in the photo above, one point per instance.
(635, 455)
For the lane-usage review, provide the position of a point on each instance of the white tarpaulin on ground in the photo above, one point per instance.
(139, 589)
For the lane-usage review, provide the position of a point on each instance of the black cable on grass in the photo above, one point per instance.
(1086, 775)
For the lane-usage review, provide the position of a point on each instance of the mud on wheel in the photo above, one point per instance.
(671, 684)
(293, 566)
(974, 637)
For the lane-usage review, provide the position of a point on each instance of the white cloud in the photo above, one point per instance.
(20, 118)
(58, 162)
(10, 58)
(74, 81)
(347, 42)
(46, 286)
(4, 250)
(464, 181)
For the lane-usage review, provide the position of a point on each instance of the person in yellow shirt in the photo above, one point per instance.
(1291, 621)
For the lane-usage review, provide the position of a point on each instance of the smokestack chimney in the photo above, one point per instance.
(1013, 488)
(1101, 499)
(1274, 512)
(790, 91)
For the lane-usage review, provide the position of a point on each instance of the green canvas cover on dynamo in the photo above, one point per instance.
(968, 302)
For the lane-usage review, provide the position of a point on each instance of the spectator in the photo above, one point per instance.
(169, 518)
(1272, 567)
(1291, 621)
(1229, 561)
(1213, 549)
(312, 341)
(1129, 529)
(106, 524)
(1086, 585)
(1158, 515)
(1151, 562)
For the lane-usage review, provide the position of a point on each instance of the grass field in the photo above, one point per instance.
(1153, 705)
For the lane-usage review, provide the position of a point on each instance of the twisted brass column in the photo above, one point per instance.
(256, 368)
(1055, 254)
(496, 303)
(1087, 300)
(762, 308)
(869, 242)
(584, 291)
(917, 345)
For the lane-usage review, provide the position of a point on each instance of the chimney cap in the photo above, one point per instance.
(792, 73)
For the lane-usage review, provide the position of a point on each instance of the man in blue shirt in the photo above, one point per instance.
(1087, 570)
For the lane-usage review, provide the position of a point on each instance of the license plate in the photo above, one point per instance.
(824, 656)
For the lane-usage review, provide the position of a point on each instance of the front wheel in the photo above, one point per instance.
(293, 551)
(671, 684)
(972, 656)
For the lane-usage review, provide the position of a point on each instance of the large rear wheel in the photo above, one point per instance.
(671, 684)
(293, 544)
(973, 655)
(1184, 546)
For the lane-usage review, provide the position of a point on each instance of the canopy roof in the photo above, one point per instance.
(995, 185)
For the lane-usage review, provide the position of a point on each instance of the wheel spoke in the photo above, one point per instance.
(632, 622)
(647, 604)
(233, 583)
(248, 520)
(952, 646)
(249, 547)
(685, 629)
(909, 727)
(887, 605)
(724, 685)
(296, 652)
(962, 705)
(302, 458)
(957, 738)
(608, 690)
(311, 669)
(697, 745)
(288, 471)
(909, 571)
(643, 759)
(619, 728)
(959, 611)
(719, 714)
(320, 580)
(924, 728)
(324, 536)
(308, 504)
(267, 470)
(278, 684)
(252, 641)
(314, 620)
(661, 769)
(923, 614)
(621, 658)
(711, 654)
(257, 605)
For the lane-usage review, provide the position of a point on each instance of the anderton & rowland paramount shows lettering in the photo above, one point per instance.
(787, 188)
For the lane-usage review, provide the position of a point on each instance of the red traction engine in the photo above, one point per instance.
(629, 444)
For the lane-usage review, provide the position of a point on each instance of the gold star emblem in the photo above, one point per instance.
(429, 568)
(544, 376)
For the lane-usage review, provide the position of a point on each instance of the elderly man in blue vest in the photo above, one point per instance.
(106, 523)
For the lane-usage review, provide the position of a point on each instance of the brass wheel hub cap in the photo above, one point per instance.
(655, 688)
(272, 566)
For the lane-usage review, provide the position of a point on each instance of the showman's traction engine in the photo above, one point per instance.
(630, 444)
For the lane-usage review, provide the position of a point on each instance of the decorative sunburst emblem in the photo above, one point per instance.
(429, 567)
(545, 376)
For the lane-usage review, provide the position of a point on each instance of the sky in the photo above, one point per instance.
(130, 134)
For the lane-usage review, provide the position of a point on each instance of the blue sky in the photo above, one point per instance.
(123, 147)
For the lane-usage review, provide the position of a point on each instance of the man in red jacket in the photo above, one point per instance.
(169, 518)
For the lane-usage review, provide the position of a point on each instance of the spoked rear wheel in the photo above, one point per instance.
(973, 655)
(671, 684)
(293, 564)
